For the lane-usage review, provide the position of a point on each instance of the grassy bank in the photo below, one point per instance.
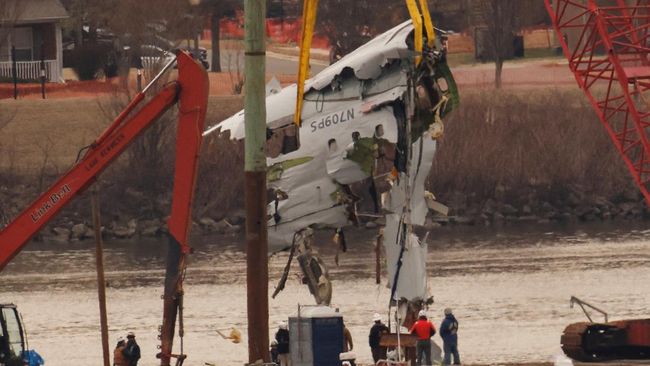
(515, 147)
(549, 140)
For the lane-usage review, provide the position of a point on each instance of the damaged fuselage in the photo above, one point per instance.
(370, 119)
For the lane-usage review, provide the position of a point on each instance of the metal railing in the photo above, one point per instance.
(31, 70)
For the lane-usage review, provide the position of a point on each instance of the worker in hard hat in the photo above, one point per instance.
(377, 329)
(282, 336)
(424, 330)
(449, 335)
(132, 350)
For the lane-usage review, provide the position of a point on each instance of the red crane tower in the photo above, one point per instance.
(607, 45)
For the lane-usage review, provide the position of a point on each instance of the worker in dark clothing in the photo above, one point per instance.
(273, 352)
(282, 336)
(424, 330)
(132, 350)
(379, 328)
(449, 335)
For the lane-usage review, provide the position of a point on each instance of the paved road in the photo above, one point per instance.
(276, 63)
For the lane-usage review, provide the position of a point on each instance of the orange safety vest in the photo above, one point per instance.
(424, 329)
(118, 357)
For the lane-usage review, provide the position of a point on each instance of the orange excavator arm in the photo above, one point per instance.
(190, 91)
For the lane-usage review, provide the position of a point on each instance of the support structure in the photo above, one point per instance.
(607, 45)
(255, 181)
(101, 282)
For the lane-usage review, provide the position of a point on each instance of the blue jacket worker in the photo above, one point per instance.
(449, 335)
(132, 350)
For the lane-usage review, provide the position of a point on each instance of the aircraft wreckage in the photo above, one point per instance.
(381, 103)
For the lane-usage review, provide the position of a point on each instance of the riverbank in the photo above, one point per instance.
(506, 158)
(125, 220)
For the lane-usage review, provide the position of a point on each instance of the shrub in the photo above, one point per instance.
(548, 139)
(87, 60)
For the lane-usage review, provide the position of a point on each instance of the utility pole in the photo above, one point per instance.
(257, 277)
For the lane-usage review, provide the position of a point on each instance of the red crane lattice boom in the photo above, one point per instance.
(607, 45)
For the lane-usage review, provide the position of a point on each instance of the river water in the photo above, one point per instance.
(509, 289)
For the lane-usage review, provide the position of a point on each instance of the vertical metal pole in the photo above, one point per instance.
(42, 70)
(101, 283)
(378, 258)
(282, 15)
(255, 181)
(138, 80)
(14, 71)
(195, 52)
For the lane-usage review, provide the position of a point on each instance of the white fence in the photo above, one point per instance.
(31, 70)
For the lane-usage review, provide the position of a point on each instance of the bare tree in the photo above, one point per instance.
(362, 20)
(6, 116)
(10, 11)
(217, 10)
(150, 155)
(500, 17)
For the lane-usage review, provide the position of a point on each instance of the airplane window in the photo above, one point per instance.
(282, 140)
(290, 139)
(379, 131)
(331, 144)
(442, 84)
(423, 99)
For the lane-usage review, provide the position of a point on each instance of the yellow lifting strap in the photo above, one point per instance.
(308, 22)
(310, 8)
(428, 23)
(416, 17)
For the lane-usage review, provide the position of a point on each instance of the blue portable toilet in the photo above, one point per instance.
(315, 336)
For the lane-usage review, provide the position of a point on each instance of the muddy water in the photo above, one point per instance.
(509, 289)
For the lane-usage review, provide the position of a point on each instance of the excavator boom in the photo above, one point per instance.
(190, 90)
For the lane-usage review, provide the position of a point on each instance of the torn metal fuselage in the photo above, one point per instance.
(373, 119)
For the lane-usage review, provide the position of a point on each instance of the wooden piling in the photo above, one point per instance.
(101, 282)
(255, 181)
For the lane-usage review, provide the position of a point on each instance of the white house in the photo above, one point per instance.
(33, 27)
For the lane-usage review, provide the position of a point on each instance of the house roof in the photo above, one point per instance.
(34, 11)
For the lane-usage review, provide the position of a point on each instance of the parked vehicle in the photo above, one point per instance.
(13, 339)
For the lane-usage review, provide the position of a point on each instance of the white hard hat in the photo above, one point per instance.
(376, 317)
(422, 313)
(282, 325)
(447, 311)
